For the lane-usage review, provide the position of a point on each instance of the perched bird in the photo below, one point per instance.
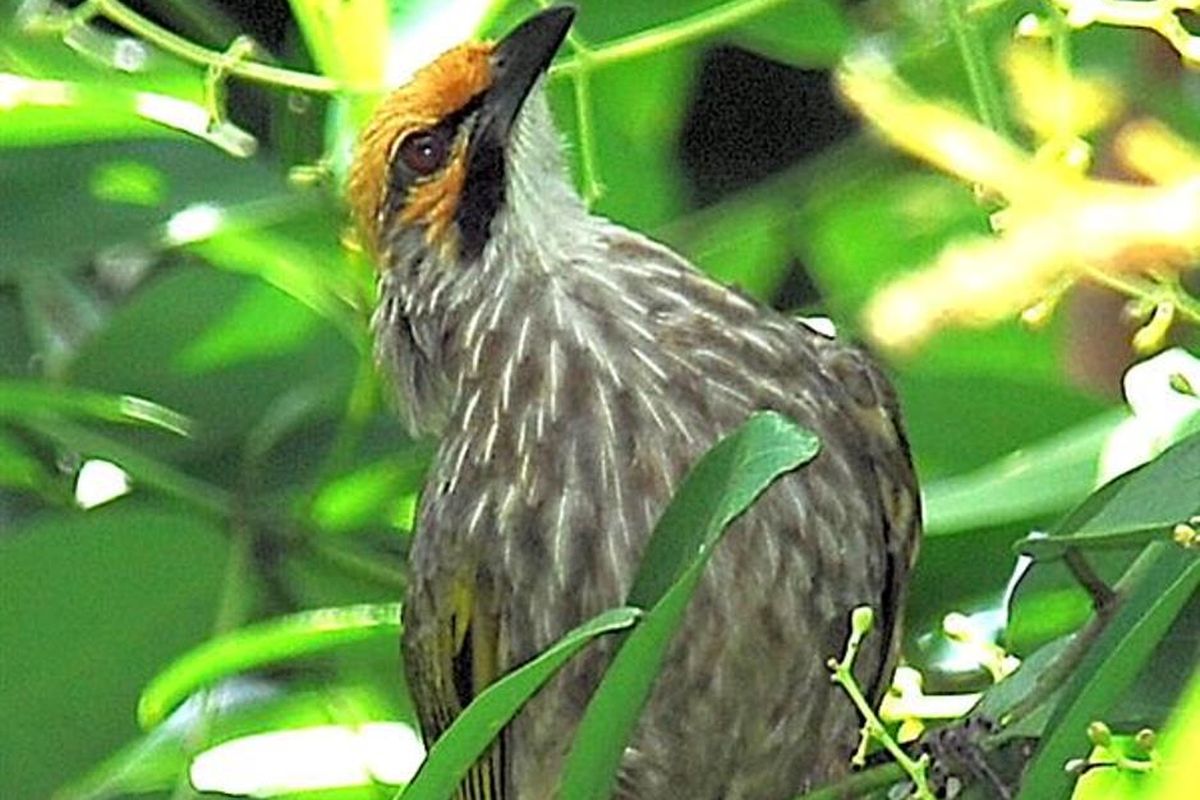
(574, 370)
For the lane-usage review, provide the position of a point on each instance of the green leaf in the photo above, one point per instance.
(718, 489)
(1044, 478)
(172, 340)
(1179, 768)
(148, 470)
(479, 723)
(19, 469)
(1003, 697)
(280, 639)
(94, 602)
(155, 760)
(348, 40)
(1153, 591)
(1143, 503)
(313, 270)
(189, 176)
(745, 244)
(809, 33)
(25, 399)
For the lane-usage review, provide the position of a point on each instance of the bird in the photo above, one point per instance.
(571, 371)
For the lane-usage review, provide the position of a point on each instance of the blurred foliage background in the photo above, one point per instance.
(195, 449)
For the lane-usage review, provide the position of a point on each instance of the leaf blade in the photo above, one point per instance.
(479, 723)
(723, 484)
(279, 639)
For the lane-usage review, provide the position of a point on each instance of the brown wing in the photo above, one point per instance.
(448, 664)
(877, 413)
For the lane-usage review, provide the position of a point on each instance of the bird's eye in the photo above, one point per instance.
(425, 151)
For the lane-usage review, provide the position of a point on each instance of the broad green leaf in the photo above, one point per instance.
(318, 278)
(23, 399)
(1043, 478)
(722, 485)
(94, 602)
(718, 489)
(172, 340)
(1153, 591)
(1141, 504)
(189, 176)
(480, 722)
(289, 637)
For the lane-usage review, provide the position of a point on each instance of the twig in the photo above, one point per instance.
(672, 34)
(1104, 599)
(861, 622)
(121, 15)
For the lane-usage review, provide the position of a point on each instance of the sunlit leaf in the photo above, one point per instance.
(265, 643)
(23, 399)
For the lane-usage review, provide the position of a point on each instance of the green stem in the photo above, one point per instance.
(671, 34)
(593, 188)
(979, 71)
(862, 620)
(1164, 291)
(175, 44)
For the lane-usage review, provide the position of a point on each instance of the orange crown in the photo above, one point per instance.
(436, 91)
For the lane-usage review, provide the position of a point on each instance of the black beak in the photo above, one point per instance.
(518, 61)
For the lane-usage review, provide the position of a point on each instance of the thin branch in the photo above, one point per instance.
(121, 15)
(980, 74)
(672, 34)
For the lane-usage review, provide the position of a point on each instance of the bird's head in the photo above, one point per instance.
(432, 164)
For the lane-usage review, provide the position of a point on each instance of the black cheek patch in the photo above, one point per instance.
(482, 194)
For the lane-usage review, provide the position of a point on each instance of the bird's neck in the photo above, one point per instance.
(435, 317)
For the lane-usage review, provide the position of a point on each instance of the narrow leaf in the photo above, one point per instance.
(723, 484)
(1132, 508)
(147, 470)
(719, 488)
(280, 639)
(1153, 591)
(479, 723)
(23, 399)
